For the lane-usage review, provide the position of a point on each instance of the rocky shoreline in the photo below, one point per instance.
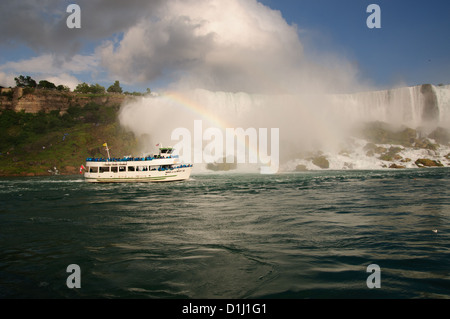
(379, 146)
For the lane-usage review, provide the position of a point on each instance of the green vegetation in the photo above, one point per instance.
(25, 81)
(8, 94)
(44, 84)
(115, 88)
(32, 144)
(89, 89)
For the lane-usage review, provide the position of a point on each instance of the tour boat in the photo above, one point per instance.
(161, 167)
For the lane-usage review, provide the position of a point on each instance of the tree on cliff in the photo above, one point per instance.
(44, 84)
(63, 88)
(24, 82)
(82, 88)
(115, 88)
(97, 89)
(86, 88)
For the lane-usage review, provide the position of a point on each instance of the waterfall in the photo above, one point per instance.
(307, 123)
(411, 106)
(443, 101)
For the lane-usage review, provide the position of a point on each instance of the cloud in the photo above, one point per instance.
(62, 79)
(41, 25)
(52, 68)
(52, 64)
(7, 80)
(235, 45)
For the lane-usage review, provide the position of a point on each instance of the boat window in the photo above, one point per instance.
(114, 169)
(131, 168)
(122, 168)
(142, 168)
(104, 169)
(93, 170)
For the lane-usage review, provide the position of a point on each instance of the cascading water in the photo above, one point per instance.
(307, 123)
(411, 106)
(443, 102)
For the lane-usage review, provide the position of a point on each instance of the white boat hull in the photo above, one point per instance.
(128, 177)
(162, 167)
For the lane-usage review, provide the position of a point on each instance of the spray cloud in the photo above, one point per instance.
(233, 64)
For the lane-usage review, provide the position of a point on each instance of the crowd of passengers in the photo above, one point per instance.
(128, 159)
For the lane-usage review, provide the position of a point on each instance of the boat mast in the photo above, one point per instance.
(107, 149)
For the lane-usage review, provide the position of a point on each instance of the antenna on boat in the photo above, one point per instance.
(107, 149)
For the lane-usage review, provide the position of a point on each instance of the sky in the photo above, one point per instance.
(265, 46)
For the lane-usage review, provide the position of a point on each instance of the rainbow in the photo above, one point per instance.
(194, 107)
(202, 112)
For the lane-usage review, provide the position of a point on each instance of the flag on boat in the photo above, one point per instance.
(82, 168)
(158, 144)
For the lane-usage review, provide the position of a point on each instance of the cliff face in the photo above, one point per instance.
(18, 99)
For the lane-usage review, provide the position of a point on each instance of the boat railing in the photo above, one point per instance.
(129, 159)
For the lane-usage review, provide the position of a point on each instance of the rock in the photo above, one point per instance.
(440, 135)
(301, 168)
(396, 166)
(395, 149)
(426, 144)
(407, 136)
(424, 162)
(224, 166)
(392, 155)
(37, 100)
(321, 161)
(383, 133)
(348, 165)
(386, 157)
(373, 148)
